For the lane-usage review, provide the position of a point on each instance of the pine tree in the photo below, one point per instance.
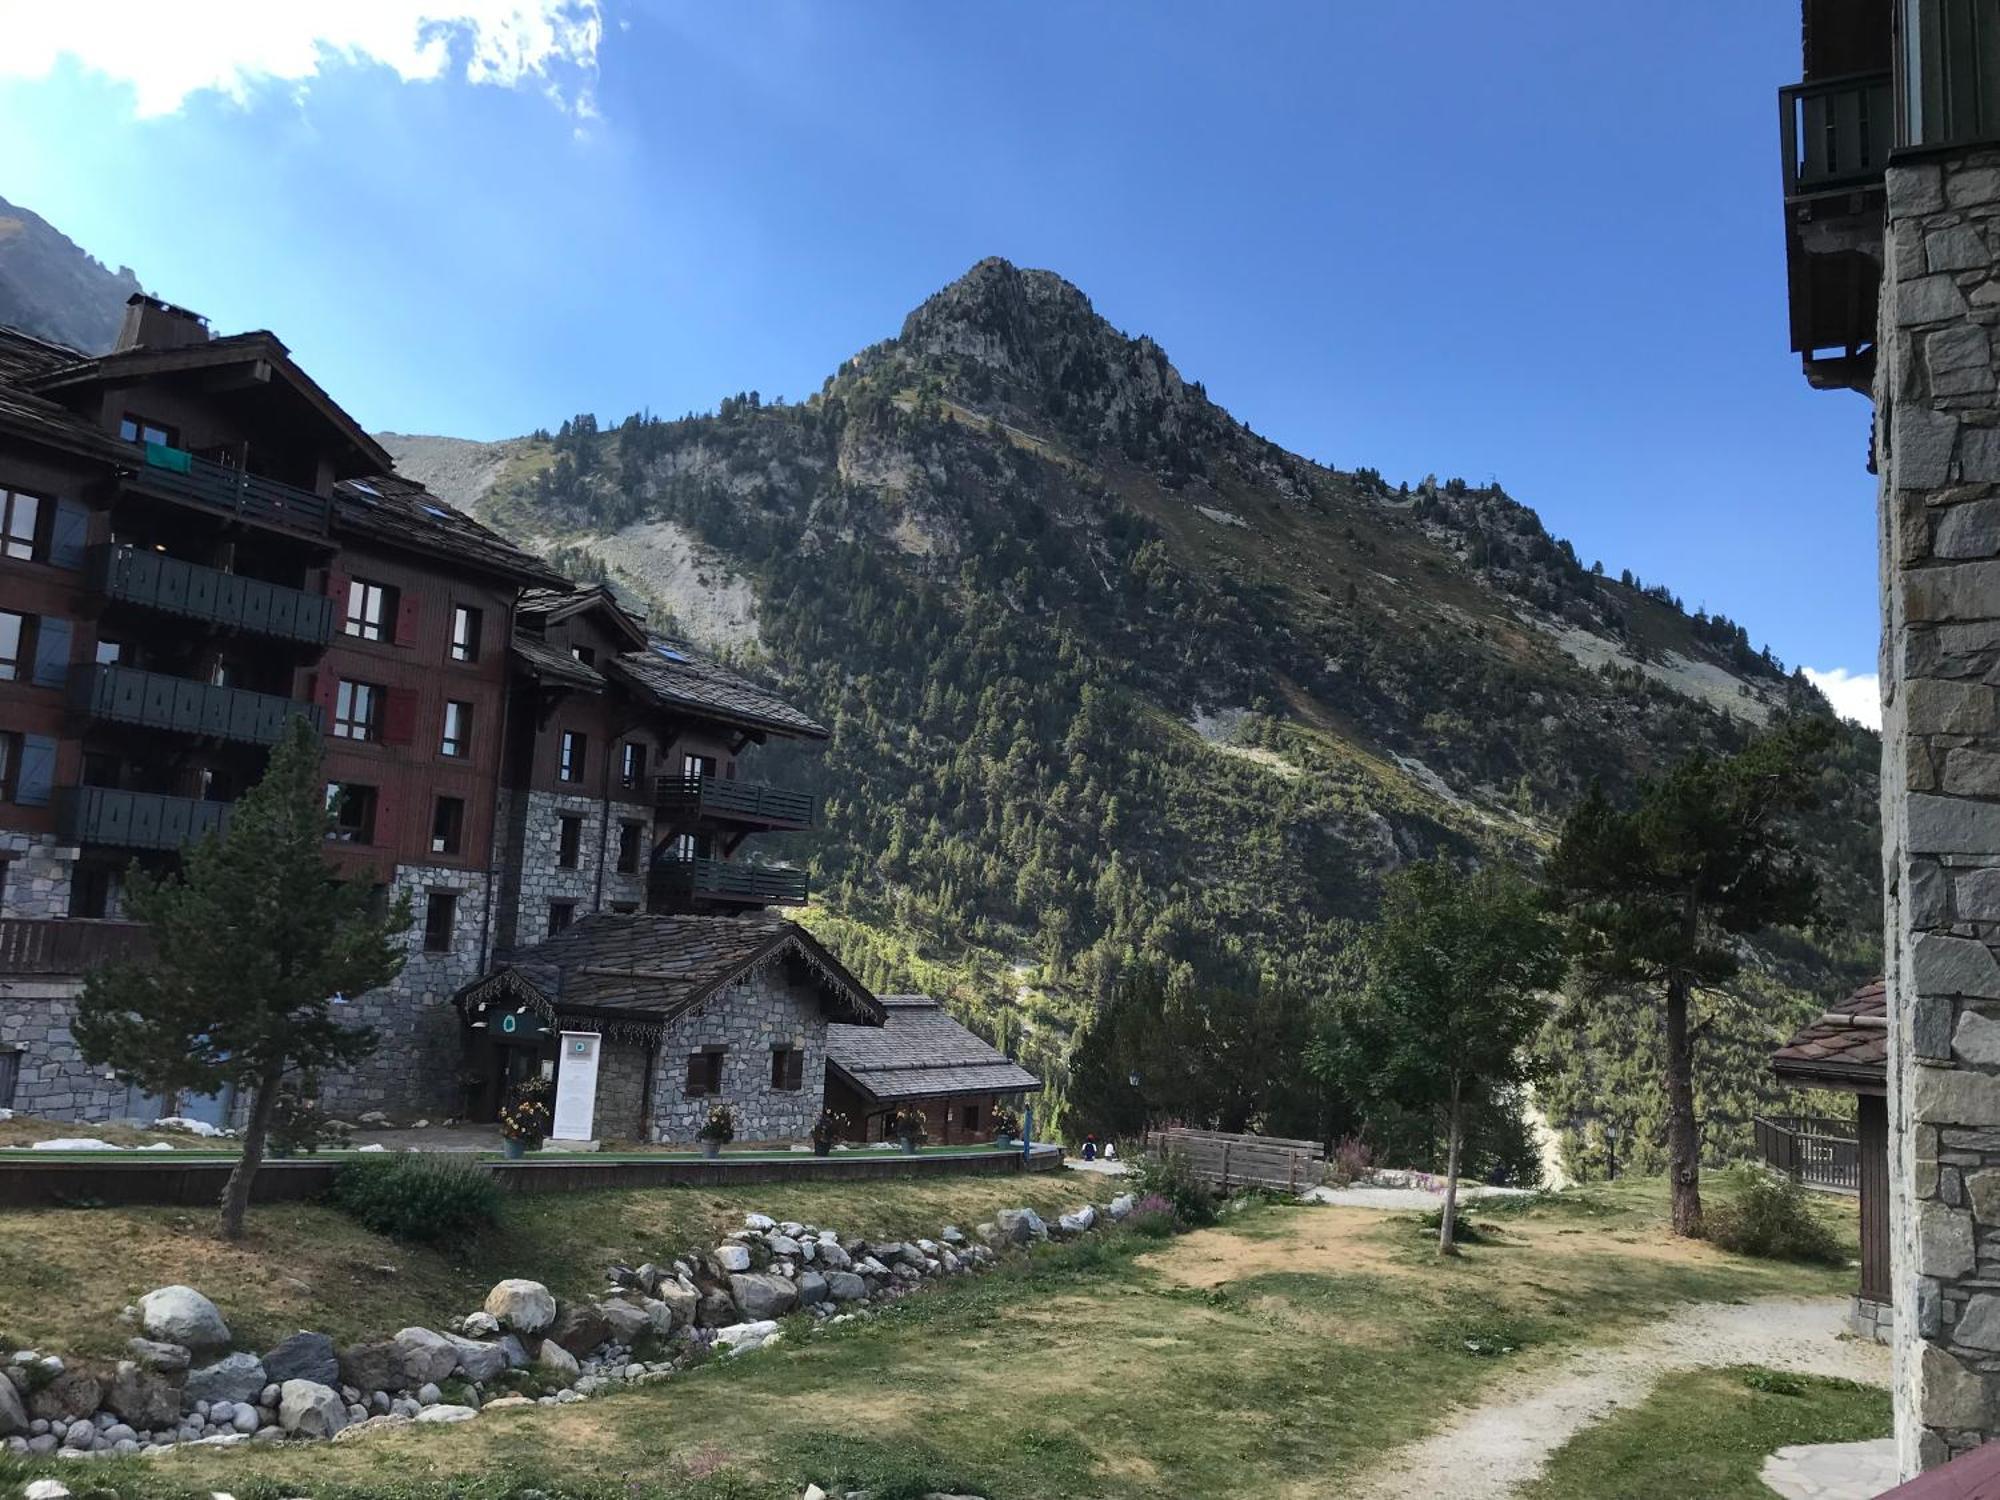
(1659, 896)
(253, 941)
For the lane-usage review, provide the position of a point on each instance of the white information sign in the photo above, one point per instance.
(576, 1086)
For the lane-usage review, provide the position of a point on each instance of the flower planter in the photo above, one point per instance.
(822, 1148)
(1004, 1141)
(711, 1149)
(516, 1149)
(910, 1147)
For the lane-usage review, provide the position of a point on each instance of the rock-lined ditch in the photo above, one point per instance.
(183, 1382)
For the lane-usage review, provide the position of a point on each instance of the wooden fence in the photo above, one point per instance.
(1820, 1153)
(1226, 1162)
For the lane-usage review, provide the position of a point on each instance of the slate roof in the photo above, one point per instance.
(920, 1052)
(655, 969)
(548, 663)
(23, 357)
(402, 513)
(678, 676)
(1847, 1047)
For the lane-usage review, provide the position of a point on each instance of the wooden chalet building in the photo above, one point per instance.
(918, 1056)
(1847, 1048)
(197, 543)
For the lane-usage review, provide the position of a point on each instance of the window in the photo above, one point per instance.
(788, 1066)
(10, 767)
(448, 825)
(10, 1076)
(357, 711)
(631, 838)
(110, 653)
(697, 765)
(570, 765)
(585, 654)
(457, 729)
(353, 809)
(632, 764)
(440, 916)
(705, 1071)
(561, 914)
(137, 429)
(20, 516)
(367, 607)
(464, 633)
(14, 648)
(969, 1117)
(90, 891)
(569, 840)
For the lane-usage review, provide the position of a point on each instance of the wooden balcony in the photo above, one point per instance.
(694, 799)
(1819, 1153)
(1836, 135)
(180, 705)
(209, 596)
(104, 817)
(677, 884)
(179, 475)
(30, 945)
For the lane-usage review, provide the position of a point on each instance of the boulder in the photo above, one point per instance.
(833, 1257)
(746, 1334)
(181, 1315)
(627, 1319)
(374, 1367)
(507, 1403)
(14, 1418)
(845, 1286)
(1119, 1207)
(786, 1246)
(447, 1414)
(523, 1306)
(168, 1359)
(763, 1223)
(303, 1356)
(72, 1394)
(480, 1325)
(759, 1298)
(516, 1352)
(371, 1427)
(145, 1398)
(680, 1302)
(1020, 1226)
(426, 1356)
(307, 1408)
(716, 1310)
(45, 1489)
(556, 1362)
(812, 1288)
(1078, 1220)
(733, 1257)
(234, 1377)
(476, 1361)
(579, 1327)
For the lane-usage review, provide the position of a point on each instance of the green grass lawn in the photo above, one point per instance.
(1273, 1356)
(1707, 1433)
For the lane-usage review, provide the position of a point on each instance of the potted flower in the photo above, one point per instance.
(526, 1117)
(831, 1126)
(719, 1128)
(1006, 1126)
(907, 1125)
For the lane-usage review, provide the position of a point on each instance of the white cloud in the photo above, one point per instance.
(1854, 695)
(234, 47)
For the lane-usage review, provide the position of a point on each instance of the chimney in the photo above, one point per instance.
(153, 324)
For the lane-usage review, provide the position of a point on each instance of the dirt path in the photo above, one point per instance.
(1489, 1450)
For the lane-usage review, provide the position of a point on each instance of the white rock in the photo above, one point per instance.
(45, 1489)
(446, 1414)
(181, 1315)
(761, 1222)
(523, 1306)
(732, 1257)
(309, 1409)
(74, 1143)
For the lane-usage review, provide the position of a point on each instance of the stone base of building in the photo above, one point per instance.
(1872, 1320)
(48, 1074)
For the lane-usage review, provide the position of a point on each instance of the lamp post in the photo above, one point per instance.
(1145, 1124)
(1611, 1153)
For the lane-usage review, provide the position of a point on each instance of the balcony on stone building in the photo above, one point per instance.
(691, 799)
(679, 884)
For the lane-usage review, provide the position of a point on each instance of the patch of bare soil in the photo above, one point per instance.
(1342, 1240)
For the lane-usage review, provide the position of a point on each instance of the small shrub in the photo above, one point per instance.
(1167, 1174)
(1353, 1159)
(425, 1198)
(1463, 1230)
(720, 1126)
(1152, 1216)
(529, 1114)
(1771, 1216)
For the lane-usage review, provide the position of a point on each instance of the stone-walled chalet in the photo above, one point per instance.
(197, 543)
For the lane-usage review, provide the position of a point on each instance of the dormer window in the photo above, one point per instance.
(137, 429)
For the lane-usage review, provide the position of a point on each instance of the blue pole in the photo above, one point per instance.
(1027, 1132)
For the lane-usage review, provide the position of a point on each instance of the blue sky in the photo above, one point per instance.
(1536, 243)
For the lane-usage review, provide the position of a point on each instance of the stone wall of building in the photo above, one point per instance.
(621, 1091)
(53, 1081)
(414, 1068)
(766, 1010)
(37, 875)
(1938, 455)
(529, 825)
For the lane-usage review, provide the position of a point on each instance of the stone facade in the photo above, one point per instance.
(529, 827)
(414, 1068)
(1872, 1320)
(52, 1079)
(621, 1091)
(37, 871)
(766, 1010)
(1938, 455)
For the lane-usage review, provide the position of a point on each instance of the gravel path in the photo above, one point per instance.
(1491, 1449)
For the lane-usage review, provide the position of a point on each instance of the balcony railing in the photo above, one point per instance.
(1836, 133)
(133, 575)
(698, 797)
(680, 880)
(106, 817)
(1819, 1153)
(33, 945)
(218, 487)
(126, 695)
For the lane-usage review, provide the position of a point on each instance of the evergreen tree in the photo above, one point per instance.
(253, 941)
(1660, 895)
(1455, 974)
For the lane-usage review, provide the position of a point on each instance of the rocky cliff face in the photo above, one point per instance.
(51, 288)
